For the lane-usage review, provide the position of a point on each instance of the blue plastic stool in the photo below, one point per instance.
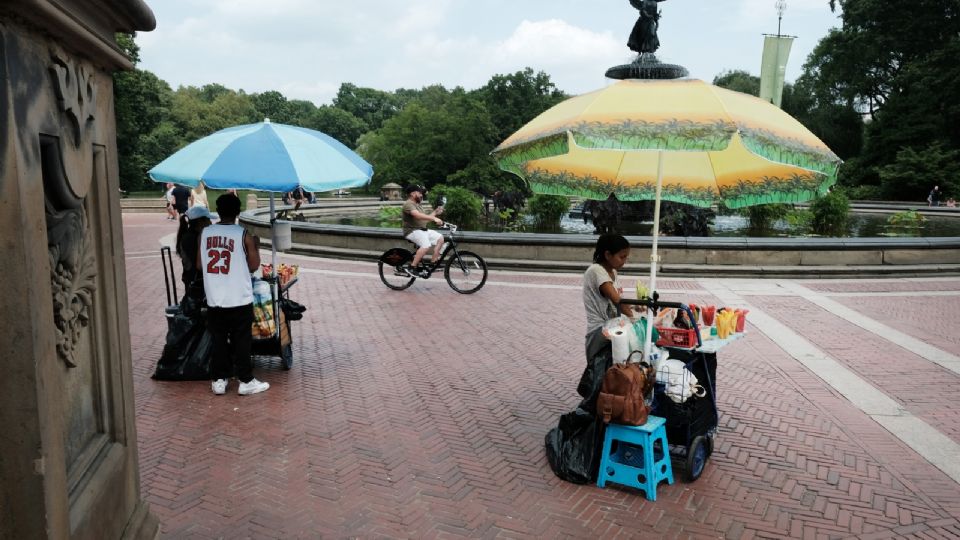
(636, 456)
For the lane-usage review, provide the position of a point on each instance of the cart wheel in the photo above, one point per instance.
(696, 458)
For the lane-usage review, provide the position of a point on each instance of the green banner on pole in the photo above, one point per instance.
(776, 50)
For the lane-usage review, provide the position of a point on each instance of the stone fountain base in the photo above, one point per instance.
(647, 66)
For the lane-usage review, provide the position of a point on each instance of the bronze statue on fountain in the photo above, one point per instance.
(644, 41)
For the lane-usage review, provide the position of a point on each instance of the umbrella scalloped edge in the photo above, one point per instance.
(795, 189)
(790, 152)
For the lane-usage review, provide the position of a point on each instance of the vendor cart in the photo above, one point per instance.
(692, 424)
(280, 341)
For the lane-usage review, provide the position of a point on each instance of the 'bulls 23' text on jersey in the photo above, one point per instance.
(223, 259)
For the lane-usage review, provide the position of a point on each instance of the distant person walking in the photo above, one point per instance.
(933, 199)
(168, 196)
(198, 196)
(181, 199)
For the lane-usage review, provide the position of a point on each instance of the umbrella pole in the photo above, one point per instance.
(273, 269)
(654, 257)
(273, 243)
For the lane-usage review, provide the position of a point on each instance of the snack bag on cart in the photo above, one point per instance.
(264, 325)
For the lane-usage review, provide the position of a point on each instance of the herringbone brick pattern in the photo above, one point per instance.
(422, 413)
(911, 380)
(931, 322)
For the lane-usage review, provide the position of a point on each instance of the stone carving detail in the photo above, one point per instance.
(68, 163)
(73, 273)
(76, 91)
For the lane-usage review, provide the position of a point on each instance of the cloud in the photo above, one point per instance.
(309, 48)
(555, 41)
(318, 92)
(575, 58)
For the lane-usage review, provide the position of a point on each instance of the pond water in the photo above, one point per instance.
(860, 226)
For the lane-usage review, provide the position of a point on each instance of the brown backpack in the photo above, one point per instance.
(621, 394)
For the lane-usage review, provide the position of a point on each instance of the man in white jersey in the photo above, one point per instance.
(227, 256)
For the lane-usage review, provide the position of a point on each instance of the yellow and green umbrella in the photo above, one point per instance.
(718, 146)
(678, 140)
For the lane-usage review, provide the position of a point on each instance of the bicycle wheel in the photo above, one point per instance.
(394, 277)
(466, 273)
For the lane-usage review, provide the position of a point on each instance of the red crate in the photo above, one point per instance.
(677, 337)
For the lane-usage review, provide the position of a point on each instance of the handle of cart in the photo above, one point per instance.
(654, 305)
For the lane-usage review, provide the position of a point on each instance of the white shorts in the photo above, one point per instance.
(425, 238)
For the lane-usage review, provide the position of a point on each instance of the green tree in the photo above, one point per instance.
(914, 173)
(209, 92)
(837, 124)
(272, 105)
(738, 81)
(427, 144)
(141, 101)
(196, 118)
(515, 99)
(372, 106)
(897, 68)
(300, 112)
(337, 123)
(482, 175)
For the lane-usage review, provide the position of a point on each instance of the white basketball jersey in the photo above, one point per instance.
(226, 277)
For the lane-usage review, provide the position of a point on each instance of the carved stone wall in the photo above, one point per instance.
(68, 457)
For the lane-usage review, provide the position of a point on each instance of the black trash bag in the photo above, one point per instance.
(186, 355)
(292, 310)
(599, 360)
(574, 446)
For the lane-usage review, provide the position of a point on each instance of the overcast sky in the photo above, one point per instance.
(307, 48)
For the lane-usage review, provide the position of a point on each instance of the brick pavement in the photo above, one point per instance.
(422, 414)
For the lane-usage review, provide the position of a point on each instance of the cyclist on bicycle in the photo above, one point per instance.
(415, 228)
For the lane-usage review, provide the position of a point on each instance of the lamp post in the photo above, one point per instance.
(781, 6)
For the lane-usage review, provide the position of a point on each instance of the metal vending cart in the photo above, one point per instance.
(692, 424)
(280, 341)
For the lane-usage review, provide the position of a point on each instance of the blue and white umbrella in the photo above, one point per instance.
(266, 157)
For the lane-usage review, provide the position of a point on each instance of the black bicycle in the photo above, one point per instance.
(465, 271)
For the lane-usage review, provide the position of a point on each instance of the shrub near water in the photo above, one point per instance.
(463, 206)
(762, 216)
(389, 216)
(906, 223)
(548, 209)
(831, 214)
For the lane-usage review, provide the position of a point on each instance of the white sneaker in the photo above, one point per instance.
(253, 387)
(219, 387)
